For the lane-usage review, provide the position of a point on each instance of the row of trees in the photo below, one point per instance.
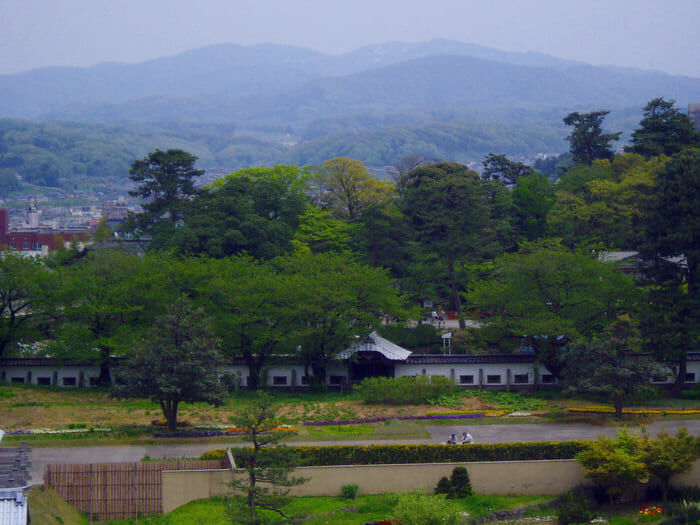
(297, 260)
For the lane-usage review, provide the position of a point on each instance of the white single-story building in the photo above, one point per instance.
(373, 356)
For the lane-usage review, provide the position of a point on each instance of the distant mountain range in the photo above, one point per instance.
(271, 103)
(282, 83)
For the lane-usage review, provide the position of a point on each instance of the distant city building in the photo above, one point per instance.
(115, 210)
(694, 113)
(33, 239)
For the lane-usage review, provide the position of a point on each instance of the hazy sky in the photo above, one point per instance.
(648, 34)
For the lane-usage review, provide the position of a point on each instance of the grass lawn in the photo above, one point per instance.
(26, 407)
(327, 510)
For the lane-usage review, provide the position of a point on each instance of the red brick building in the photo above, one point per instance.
(34, 239)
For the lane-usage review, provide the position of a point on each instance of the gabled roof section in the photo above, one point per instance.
(375, 343)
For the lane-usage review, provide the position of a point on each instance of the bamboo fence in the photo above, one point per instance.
(106, 491)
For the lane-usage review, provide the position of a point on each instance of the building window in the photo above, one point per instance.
(70, 381)
(690, 377)
(25, 245)
(13, 245)
(547, 378)
(94, 381)
(520, 378)
(18, 380)
(304, 380)
(493, 379)
(659, 379)
(337, 380)
(466, 380)
(43, 381)
(279, 380)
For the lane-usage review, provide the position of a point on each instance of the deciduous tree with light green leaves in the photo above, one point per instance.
(615, 465)
(667, 455)
(547, 296)
(346, 187)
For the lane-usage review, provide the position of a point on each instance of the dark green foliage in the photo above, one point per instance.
(349, 491)
(166, 183)
(612, 364)
(178, 362)
(403, 454)
(673, 230)
(451, 212)
(502, 169)
(460, 483)
(252, 211)
(587, 140)
(403, 390)
(266, 461)
(444, 486)
(574, 507)
(664, 130)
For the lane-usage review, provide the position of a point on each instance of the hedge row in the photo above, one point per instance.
(396, 454)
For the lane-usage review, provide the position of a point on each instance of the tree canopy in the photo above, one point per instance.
(587, 141)
(664, 130)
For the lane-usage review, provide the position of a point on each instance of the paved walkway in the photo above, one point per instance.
(481, 433)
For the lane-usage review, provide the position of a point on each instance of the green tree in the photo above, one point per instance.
(166, 183)
(254, 213)
(614, 465)
(502, 169)
(346, 187)
(672, 230)
(533, 197)
(548, 296)
(178, 361)
(664, 130)
(254, 309)
(587, 142)
(23, 283)
(267, 461)
(667, 455)
(336, 301)
(102, 303)
(319, 232)
(449, 212)
(612, 365)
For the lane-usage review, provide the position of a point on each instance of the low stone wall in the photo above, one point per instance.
(500, 477)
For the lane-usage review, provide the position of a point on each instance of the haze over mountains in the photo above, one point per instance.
(271, 103)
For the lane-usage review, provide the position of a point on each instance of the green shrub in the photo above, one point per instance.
(461, 485)
(574, 507)
(403, 390)
(349, 491)
(422, 509)
(402, 454)
(444, 486)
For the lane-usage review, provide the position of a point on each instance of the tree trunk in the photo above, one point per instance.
(680, 377)
(169, 408)
(618, 408)
(105, 378)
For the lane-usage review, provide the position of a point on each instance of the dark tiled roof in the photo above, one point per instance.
(441, 359)
(14, 467)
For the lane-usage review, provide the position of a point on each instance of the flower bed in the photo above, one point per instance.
(643, 412)
(229, 431)
(401, 418)
(651, 511)
(40, 431)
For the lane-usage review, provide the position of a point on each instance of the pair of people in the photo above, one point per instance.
(466, 439)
